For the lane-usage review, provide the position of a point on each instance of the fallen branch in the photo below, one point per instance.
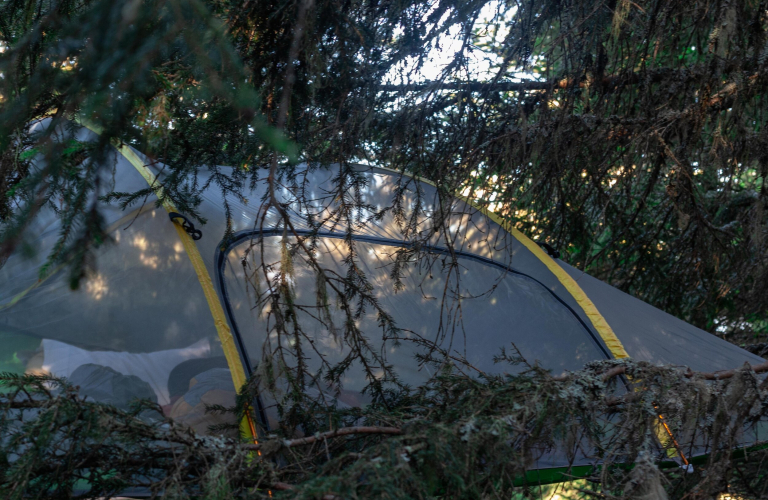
(761, 368)
(719, 375)
(344, 431)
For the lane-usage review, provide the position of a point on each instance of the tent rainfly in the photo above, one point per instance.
(173, 313)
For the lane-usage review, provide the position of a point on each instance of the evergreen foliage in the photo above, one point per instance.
(456, 437)
(635, 142)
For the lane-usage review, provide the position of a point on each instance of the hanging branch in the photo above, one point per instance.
(605, 84)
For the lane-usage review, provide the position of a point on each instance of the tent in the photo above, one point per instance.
(172, 306)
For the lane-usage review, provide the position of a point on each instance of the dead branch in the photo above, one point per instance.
(719, 375)
(345, 431)
(761, 368)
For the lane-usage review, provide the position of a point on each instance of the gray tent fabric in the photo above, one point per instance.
(650, 334)
(517, 312)
(471, 231)
(145, 310)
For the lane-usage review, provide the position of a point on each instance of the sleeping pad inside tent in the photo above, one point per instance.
(179, 317)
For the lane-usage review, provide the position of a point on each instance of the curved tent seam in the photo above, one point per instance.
(598, 321)
(223, 250)
(600, 324)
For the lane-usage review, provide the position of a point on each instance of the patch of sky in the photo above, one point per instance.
(479, 62)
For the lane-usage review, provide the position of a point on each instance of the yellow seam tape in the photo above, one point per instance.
(598, 321)
(219, 318)
(663, 432)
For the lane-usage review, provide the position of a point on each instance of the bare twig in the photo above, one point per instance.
(345, 431)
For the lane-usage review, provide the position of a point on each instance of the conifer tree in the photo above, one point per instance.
(631, 136)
